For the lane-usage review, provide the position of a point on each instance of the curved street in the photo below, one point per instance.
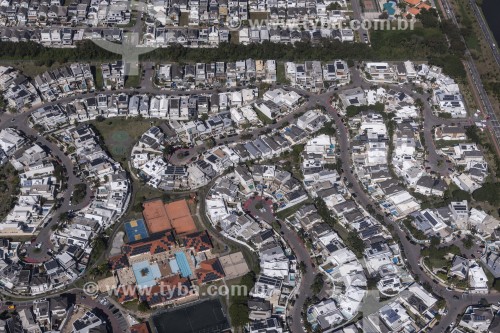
(411, 252)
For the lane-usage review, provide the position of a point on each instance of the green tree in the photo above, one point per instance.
(143, 307)
(489, 192)
(468, 242)
(356, 244)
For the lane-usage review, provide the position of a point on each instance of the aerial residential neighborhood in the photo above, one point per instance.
(249, 166)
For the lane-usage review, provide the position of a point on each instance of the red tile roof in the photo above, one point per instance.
(126, 293)
(154, 244)
(168, 289)
(118, 261)
(140, 328)
(200, 241)
(210, 270)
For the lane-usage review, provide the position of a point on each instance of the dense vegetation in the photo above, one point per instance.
(238, 310)
(79, 193)
(9, 189)
(489, 192)
(427, 43)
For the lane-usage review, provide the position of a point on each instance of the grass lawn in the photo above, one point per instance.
(436, 255)
(121, 134)
(280, 73)
(448, 143)
(132, 305)
(133, 81)
(98, 78)
(466, 20)
(290, 211)
(235, 37)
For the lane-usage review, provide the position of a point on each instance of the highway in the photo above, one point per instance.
(490, 39)
(492, 120)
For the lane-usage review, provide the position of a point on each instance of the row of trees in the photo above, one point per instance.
(419, 44)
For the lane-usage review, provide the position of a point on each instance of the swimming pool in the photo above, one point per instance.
(146, 273)
(183, 264)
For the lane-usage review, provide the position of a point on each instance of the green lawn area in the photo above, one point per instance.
(29, 68)
(280, 73)
(98, 78)
(448, 143)
(235, 37)
(120, 134)
(290, 211)
(133, 81)
(436, 255)
(184, 19)
(467, 21)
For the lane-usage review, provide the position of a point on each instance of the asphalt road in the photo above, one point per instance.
(304, 292)
(487, 107)
(43, 237)
(358, 15)
(490, 39)
(412, 252)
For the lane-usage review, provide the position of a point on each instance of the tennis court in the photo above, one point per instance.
(136, 230)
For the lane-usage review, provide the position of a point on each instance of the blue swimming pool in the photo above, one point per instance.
(146, 273)
(183, 264)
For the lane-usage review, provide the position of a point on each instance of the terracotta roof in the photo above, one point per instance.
(118, 261)
(126, 293)
(155, 216)
(200, 241)
(154, 244)
(210, 270)
(174, 285)
(412, 2)
(140, 328)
